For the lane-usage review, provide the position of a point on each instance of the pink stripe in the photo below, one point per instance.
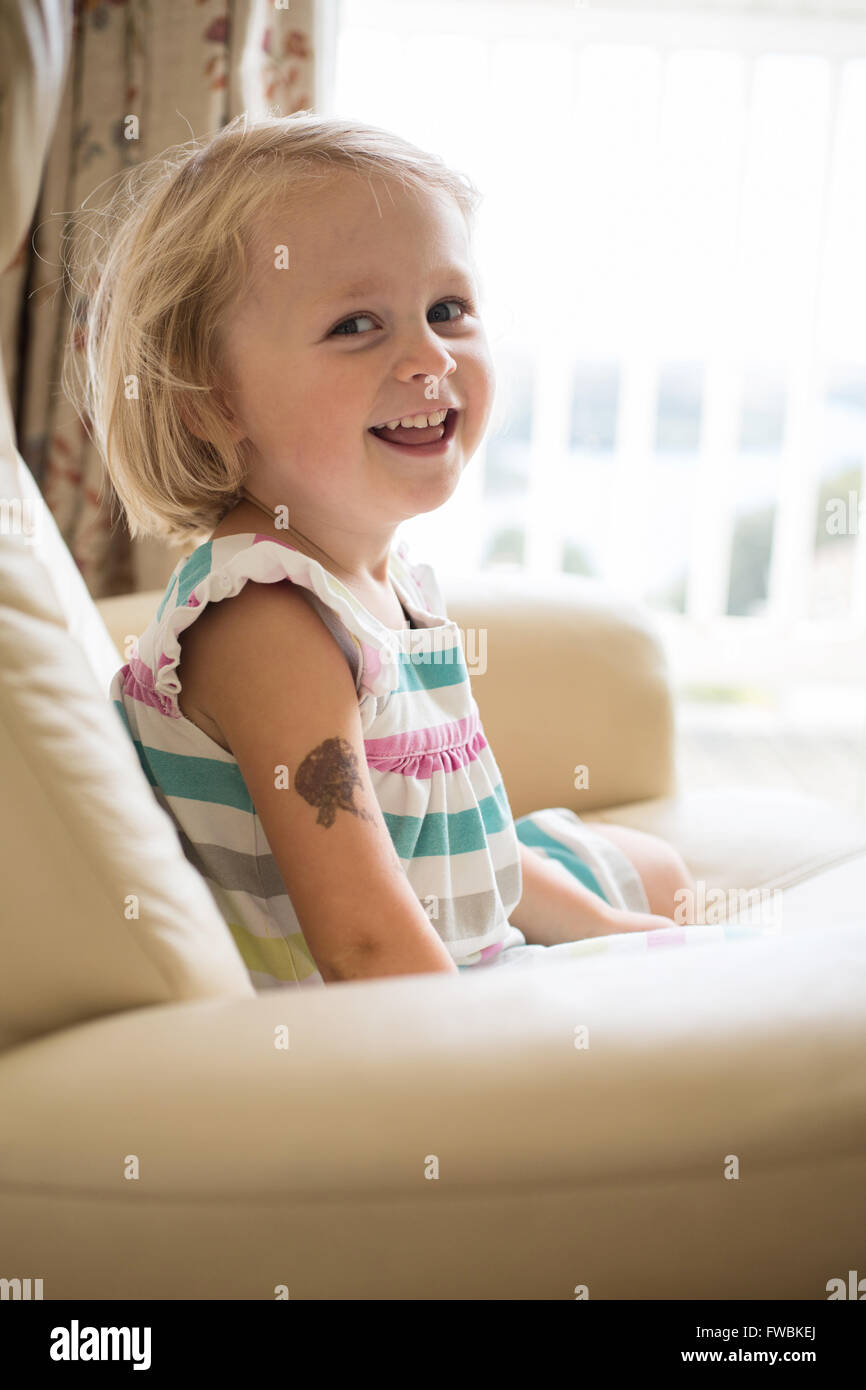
(138, 684)
(421, 752)
(488, 952)
(667, 936)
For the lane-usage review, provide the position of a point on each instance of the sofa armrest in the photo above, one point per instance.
(575, 676)
(566, 673)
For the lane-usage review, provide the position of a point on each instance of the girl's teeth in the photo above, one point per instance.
(419, 422)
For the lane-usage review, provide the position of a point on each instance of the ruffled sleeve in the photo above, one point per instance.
(218, 570)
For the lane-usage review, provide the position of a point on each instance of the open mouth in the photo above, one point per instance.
(430, 439)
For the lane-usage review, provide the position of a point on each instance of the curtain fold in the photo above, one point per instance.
(183, 69)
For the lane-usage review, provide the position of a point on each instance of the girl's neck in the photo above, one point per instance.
(311, 548)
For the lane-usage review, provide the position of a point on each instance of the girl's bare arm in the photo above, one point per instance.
(279, 689)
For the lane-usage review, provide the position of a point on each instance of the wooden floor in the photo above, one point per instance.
(734, 748)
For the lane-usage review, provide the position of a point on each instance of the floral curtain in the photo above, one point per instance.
(184, 68)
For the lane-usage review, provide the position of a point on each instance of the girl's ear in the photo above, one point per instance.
(196, 420)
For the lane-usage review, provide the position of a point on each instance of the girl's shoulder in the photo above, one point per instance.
(221, 567)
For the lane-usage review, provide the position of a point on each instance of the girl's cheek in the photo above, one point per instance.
(484, 386)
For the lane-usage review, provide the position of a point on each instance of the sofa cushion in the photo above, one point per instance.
(581, 1117)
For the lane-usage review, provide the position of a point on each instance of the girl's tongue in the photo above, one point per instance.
(408, 434)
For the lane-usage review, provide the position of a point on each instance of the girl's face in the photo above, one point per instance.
(355, 318)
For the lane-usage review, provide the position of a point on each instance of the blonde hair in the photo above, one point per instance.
(155, 270)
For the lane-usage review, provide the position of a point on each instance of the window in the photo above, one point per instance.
(671, 240)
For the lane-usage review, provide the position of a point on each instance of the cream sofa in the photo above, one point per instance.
(168, 1133)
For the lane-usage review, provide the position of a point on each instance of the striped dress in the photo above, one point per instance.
(431, 768)
(433, 772)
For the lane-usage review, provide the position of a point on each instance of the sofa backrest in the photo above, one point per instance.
(99, 908)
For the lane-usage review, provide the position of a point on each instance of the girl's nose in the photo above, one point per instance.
(426, 356)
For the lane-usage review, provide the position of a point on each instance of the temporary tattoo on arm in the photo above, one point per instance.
(328, 778)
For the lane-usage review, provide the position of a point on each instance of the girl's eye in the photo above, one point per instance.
(464, 305)
(356, 318)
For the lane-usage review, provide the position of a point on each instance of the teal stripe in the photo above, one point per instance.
(425, 672)
(121, 710)
(529, 834)
(195, 779)
(197, 568)
(441, 833)
(502, 801)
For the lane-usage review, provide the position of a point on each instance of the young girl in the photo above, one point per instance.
(282, 360)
